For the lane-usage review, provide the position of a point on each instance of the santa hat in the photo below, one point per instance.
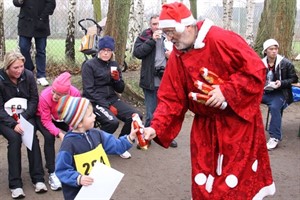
(62, 83)
(268, 43)
(72, 109)
(175, 15)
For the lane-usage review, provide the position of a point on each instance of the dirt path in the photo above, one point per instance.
(160, 174)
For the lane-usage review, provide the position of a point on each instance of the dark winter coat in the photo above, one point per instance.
(98, 85)
(26, 88)
(34, 17)
(145, 49)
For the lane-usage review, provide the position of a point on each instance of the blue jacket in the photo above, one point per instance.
(77, 143)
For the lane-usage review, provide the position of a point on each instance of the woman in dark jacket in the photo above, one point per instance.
(19, 90)
(101, 83)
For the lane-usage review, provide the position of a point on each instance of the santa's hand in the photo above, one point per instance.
(149, 133)
(216, 97)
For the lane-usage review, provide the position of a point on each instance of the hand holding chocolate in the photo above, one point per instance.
(137, 124)
(211, 78)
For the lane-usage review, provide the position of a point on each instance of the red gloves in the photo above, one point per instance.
(113, 109)
(115, 75)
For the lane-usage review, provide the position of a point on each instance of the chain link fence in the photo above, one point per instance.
(84, 9)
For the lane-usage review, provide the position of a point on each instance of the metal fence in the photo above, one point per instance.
(84, 9)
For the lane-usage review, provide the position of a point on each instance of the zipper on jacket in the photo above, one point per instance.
(87, 138)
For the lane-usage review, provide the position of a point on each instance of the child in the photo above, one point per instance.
(84, 145)
(47, 120)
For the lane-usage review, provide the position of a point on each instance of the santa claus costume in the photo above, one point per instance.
(228, 147)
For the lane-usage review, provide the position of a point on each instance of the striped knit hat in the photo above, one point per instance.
(72, 109)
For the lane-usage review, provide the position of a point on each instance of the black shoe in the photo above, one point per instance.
(173, 144)
(139, 147)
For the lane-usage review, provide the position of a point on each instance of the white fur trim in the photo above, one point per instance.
(220, 162)
(167, 23)
(209, 183)
(200, 179)
(265, 191)
(188, 21)
(179, 28)
(207, 24)
(254, 165)
(231, 181)
(170, 23)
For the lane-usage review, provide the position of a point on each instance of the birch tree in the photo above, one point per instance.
(70, 39)
(193, 4)
(250, 22)
(278, 22)
(135, 26)
(97, 10)
(2, 37)
(227, 14)
(117, 25)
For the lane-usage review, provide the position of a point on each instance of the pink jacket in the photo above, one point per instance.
(46, 108)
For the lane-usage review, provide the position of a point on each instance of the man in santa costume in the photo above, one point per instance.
(228, 146)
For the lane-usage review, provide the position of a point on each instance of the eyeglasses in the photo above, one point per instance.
(169, 33)
(105, 51)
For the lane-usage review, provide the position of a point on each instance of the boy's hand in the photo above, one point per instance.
(86, 180)
(132, 134)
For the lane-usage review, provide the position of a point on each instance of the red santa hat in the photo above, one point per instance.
(175, 15)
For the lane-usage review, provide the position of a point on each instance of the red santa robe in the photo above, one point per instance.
(228, 147)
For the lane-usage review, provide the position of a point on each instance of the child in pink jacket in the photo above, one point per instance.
(48, 122)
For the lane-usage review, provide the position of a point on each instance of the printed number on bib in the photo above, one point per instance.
(84, 162)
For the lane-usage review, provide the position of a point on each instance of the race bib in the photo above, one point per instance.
(84, 162)
(19, 103)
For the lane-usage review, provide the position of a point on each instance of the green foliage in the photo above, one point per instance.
(55, 49)
(297, 67)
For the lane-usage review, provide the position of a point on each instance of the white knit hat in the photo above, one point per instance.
(175, 15)
(268, 43)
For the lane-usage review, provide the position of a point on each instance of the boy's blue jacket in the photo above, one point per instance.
(77, 143)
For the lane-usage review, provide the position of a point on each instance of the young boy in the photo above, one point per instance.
(84, 145)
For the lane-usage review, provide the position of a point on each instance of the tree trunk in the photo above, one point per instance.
(227, 14)
(2, 36)
(193, 4)
(135, 22)
(249, 22)
(70, 39)
(278, 22)
(97, 10)
(117, 26)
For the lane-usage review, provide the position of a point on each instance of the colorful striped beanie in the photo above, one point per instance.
(72, 109)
